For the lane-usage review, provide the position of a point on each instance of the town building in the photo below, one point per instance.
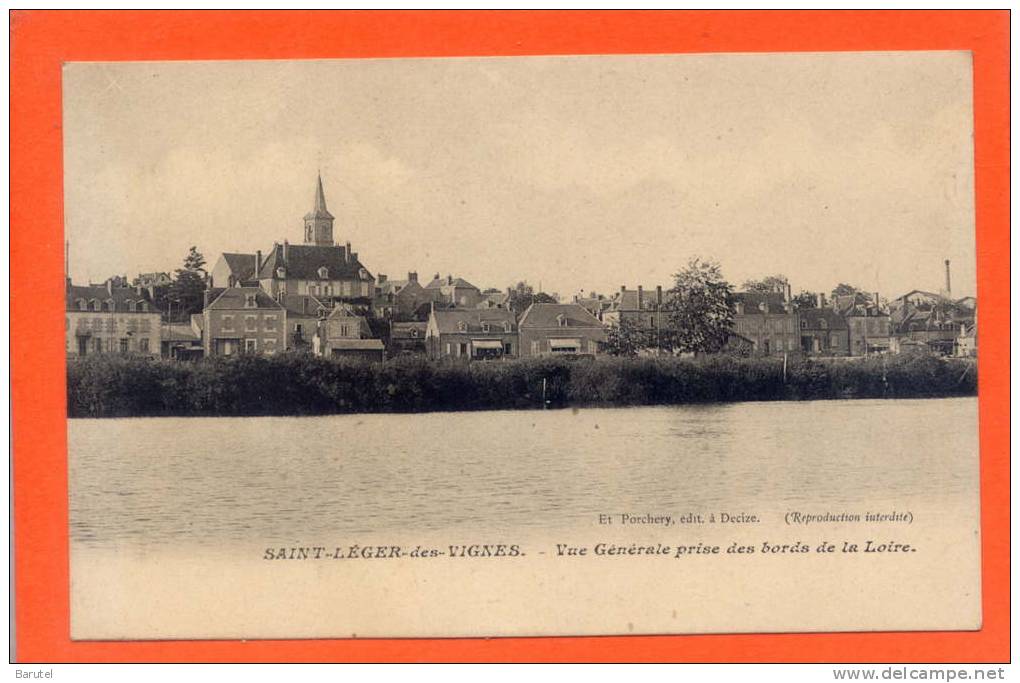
(182, 341)
(318, 267)
(768, 320)
(595, 303)
(110, 319)
(555, 329)
(345, 334)
(454, 291)
(868, 322)
(303, 314)
(472, 334)
(399, 299)
(823, 332)
(407, 338)
(243, 320)
(494, 298)
(644, 309)
(147, 280)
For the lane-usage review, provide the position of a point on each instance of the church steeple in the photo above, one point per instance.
(319, 221)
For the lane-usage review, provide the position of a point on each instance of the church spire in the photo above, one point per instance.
(319, 221)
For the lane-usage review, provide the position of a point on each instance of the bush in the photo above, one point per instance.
(302, 384)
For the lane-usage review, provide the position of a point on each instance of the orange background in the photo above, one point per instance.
(42, 40)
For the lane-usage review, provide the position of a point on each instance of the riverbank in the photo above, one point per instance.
(301, 384)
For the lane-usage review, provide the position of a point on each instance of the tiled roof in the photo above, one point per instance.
(753, 300)
(548, 315)
(448, 320)
(242, 266)
(235, 298)
(304, 260)
(121, 297)
(449, 282)
(302, 305)
(815, 316)
(403, 330)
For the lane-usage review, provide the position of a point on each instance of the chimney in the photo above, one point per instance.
(658, 295)
(949, 286)
(640, 296)
(449, 279)
(820, 301)
(109, 286)
(380, 278)
(412, 276)
(348, 252)
(285, 245)
(740, 308)
(258, 263)
(786, 293)
(877, 306)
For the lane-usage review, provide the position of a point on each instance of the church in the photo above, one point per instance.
(317, 267)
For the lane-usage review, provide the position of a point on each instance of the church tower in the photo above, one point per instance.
(319, 221)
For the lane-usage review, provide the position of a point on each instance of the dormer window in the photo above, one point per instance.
(281, 272)
(506, 326)
(96, 305)
(110, 305)
(144, 307)
(462, 326)
(249, 301)
(561, 320)
(83, 305)
(485, 327)
(323, 272)
(822, 323)
(363, 274)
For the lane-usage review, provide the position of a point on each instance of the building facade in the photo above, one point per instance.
(108, 319)
(768, 320)
(823, 332)
(345, 334)
(454, 291)
(472, 334)
(560, 329)
(243, 320)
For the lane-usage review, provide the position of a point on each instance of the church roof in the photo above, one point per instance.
(304, 260)
(319, 210)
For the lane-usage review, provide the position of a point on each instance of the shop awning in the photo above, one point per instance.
(487, 344)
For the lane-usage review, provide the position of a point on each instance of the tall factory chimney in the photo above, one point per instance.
(949, 286)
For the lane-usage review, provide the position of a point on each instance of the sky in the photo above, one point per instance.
(576, 173)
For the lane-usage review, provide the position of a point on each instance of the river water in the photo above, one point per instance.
(185, 507)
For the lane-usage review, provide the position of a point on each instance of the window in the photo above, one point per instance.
(249, 346)
(485, 327)
(109, 306)
(249, 301)
(834, 341)
(414, 333)
(98, 343)
(250, 323)
(823, 323)
(508, 349)
(462, 349)
(146, 325)
(143, 344)
(269, 345)
(96, 306)
(506, 326)
(269, 323)
(803, 324)
(124, 346)
(561, 320)
(462, 326)
(228, 323)
(323, 272)
(534, 346)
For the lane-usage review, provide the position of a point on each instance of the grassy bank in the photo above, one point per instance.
(299, 384)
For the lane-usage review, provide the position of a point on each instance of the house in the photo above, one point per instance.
(345, 334)
(868, 323)
(471, 334)
(454, 291)
(931, 321)
(232, 269)
(303, 314)
(110, 319)
(407, 338)
(240, 320)
(399, 298)
(644, 309)
(494, 298)
(768, 320)
(182, 341)
(553, 329)
(594, 303)
(823, 332)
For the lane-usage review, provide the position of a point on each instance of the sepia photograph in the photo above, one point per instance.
(521, 346)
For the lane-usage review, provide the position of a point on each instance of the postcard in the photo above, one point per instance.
(522, 346)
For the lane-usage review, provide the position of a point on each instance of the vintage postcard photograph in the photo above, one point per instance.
(521, 346)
